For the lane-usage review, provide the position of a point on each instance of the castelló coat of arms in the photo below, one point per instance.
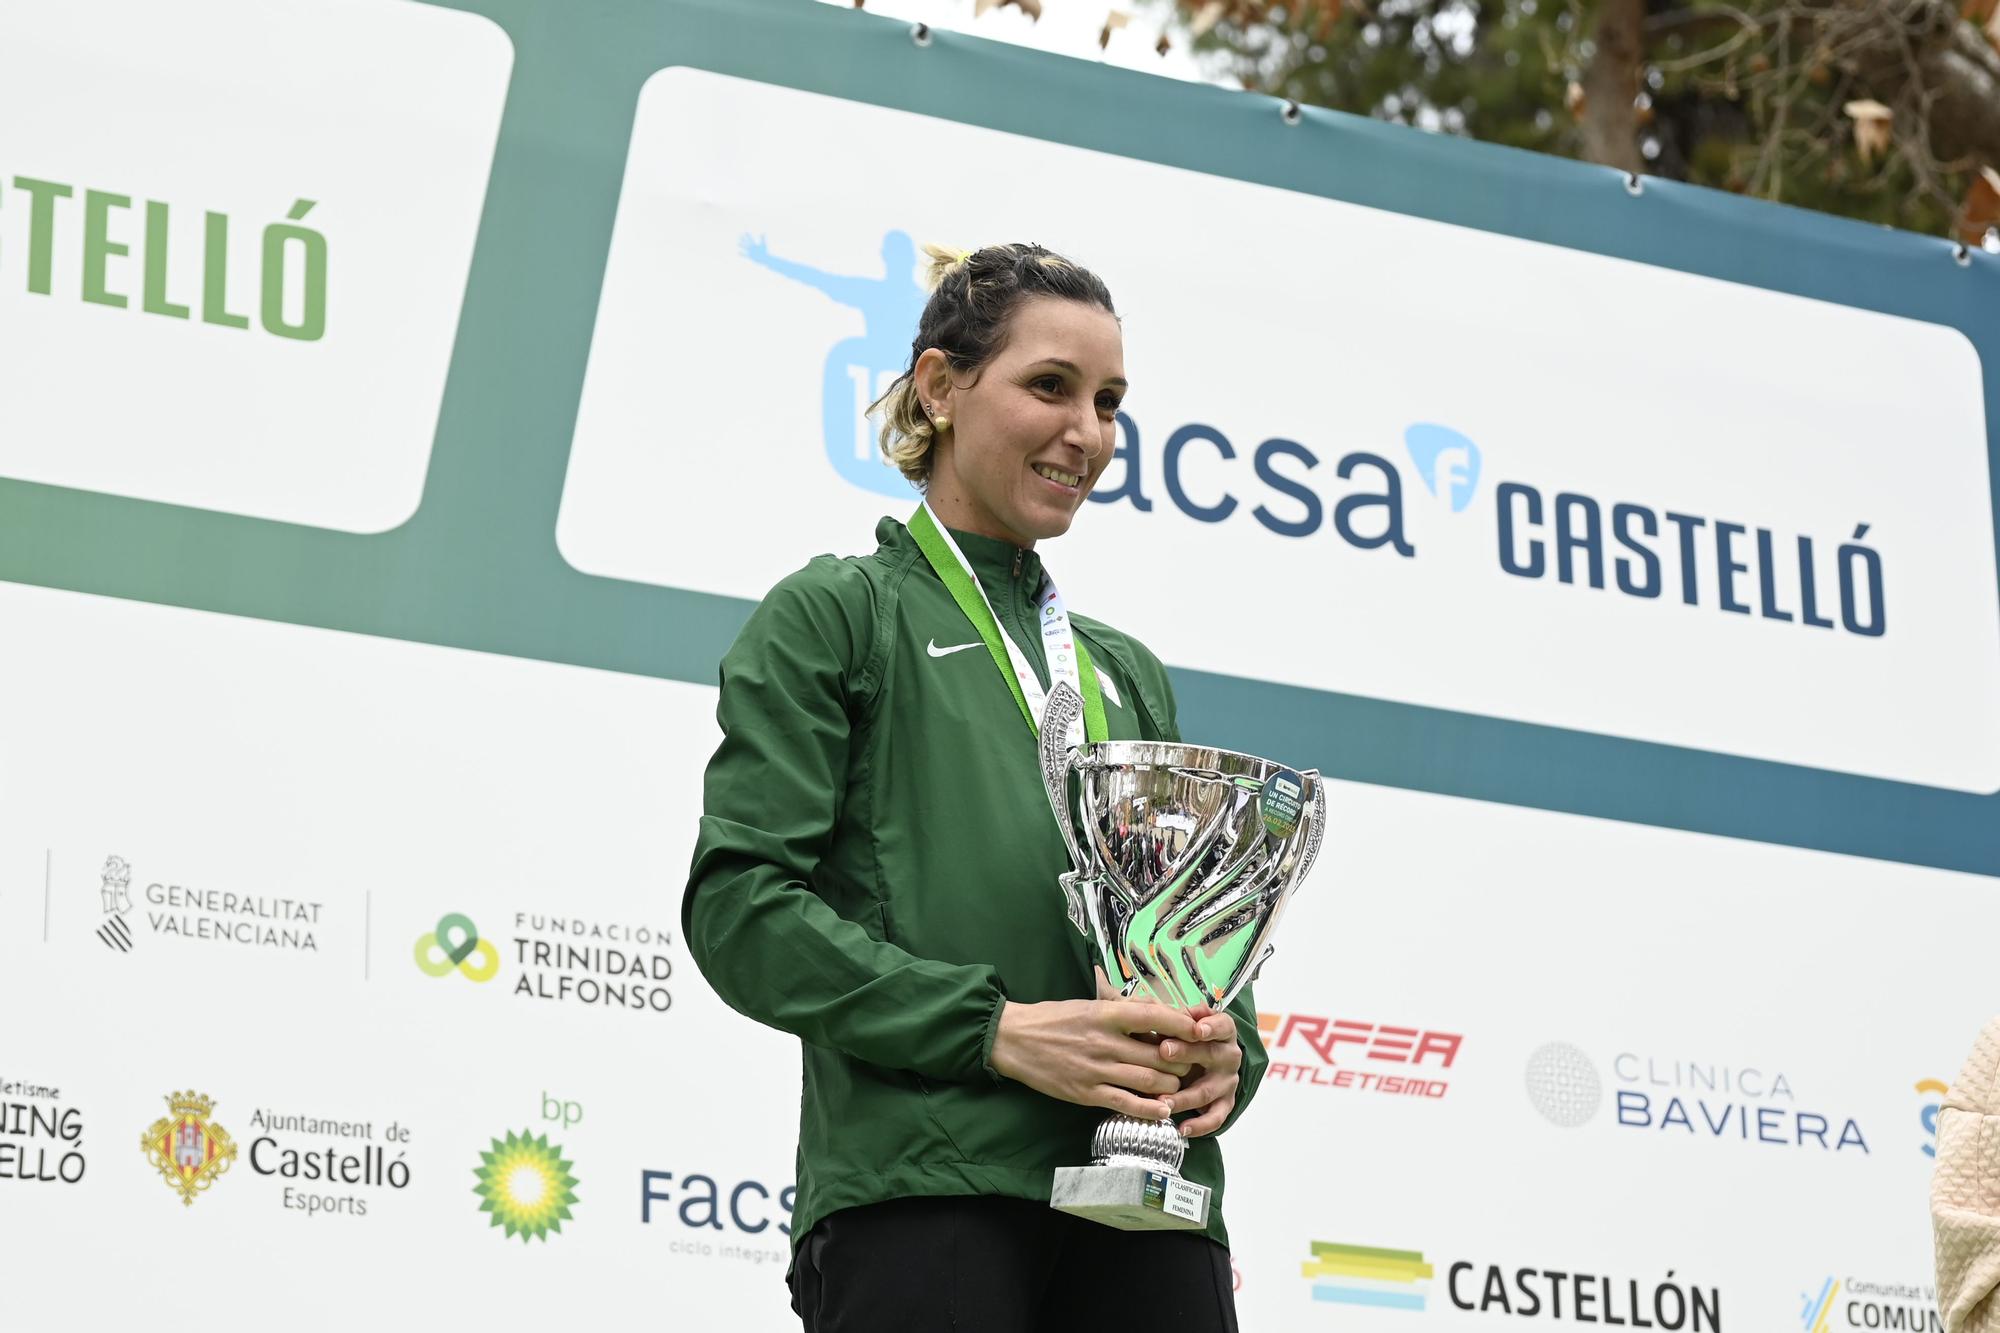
(187, 1147)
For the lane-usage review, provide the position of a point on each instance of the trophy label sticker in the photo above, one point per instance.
(1282, 800)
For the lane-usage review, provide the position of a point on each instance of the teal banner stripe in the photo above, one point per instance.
(477, 566)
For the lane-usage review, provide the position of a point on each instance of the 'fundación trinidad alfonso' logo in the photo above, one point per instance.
(187, 1147)
(456, 944)
(525, 1185)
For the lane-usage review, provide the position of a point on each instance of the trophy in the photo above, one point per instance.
(1185, 858)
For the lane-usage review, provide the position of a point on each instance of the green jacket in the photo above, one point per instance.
(876, 874)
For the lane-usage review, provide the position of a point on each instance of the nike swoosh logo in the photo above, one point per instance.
(936, 651)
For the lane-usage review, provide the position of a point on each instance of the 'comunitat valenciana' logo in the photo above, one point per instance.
(525, 1185)
(1367, 1275)
(858, 370)
(189, 1150)
(1837, 1305)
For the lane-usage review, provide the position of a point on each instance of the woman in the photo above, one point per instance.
(876, 869)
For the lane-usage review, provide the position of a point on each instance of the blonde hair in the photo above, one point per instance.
(973, 294)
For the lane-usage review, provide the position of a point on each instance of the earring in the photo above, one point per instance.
(941, 423)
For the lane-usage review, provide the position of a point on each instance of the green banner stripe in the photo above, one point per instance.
(1369, 1251)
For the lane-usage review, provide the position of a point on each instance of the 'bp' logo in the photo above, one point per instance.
(525, 1185)
(858, 370)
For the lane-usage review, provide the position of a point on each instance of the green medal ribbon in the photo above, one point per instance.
(943, 553)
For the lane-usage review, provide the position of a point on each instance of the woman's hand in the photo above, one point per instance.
(1217, 1064)
(1101, 1053)
(1214, 1065)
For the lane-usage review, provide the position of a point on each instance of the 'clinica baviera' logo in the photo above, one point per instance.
(1351, 1054)
(1678, 1098)
(41, 1137)
(128, 252)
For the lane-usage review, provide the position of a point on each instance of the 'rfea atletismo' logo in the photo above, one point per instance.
(1367, 1275)
(858, 370)
(456, 944)
(525, 1185)
(187, 1147)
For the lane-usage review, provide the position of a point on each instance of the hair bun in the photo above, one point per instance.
(942, 261)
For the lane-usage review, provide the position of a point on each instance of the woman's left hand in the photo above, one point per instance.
(1210, 1087)
(1216, 1063)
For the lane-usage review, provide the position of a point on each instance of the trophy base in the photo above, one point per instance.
(1131, 1198)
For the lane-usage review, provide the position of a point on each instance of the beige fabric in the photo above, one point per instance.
(1965, 1192)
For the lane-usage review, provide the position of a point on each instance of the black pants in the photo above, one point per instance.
(995, 1265)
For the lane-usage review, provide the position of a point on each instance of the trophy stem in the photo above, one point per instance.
(1124, 1140)
(1134, 1179)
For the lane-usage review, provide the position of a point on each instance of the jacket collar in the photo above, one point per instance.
(992, 559)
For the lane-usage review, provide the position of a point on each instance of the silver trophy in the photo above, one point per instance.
(1185, 858)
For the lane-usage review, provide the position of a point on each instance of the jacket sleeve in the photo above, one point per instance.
(1243, 1009)
(767, 941)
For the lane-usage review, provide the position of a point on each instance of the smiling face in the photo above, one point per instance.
(1034, 428)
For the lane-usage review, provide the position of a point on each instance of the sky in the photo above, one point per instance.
(1067, 27)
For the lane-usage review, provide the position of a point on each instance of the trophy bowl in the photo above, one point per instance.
(1184, 858)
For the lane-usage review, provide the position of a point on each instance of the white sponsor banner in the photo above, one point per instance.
(234, 238)
(240, 770)
(1627, 1036)
(1736, 520)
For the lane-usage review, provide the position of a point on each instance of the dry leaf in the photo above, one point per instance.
(1116, 19)
(1573, 99)
(1982, 207)
(1210, 15)
(1873, 127)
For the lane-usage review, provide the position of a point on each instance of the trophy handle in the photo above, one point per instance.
(1310, 852)
(1064, 708)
